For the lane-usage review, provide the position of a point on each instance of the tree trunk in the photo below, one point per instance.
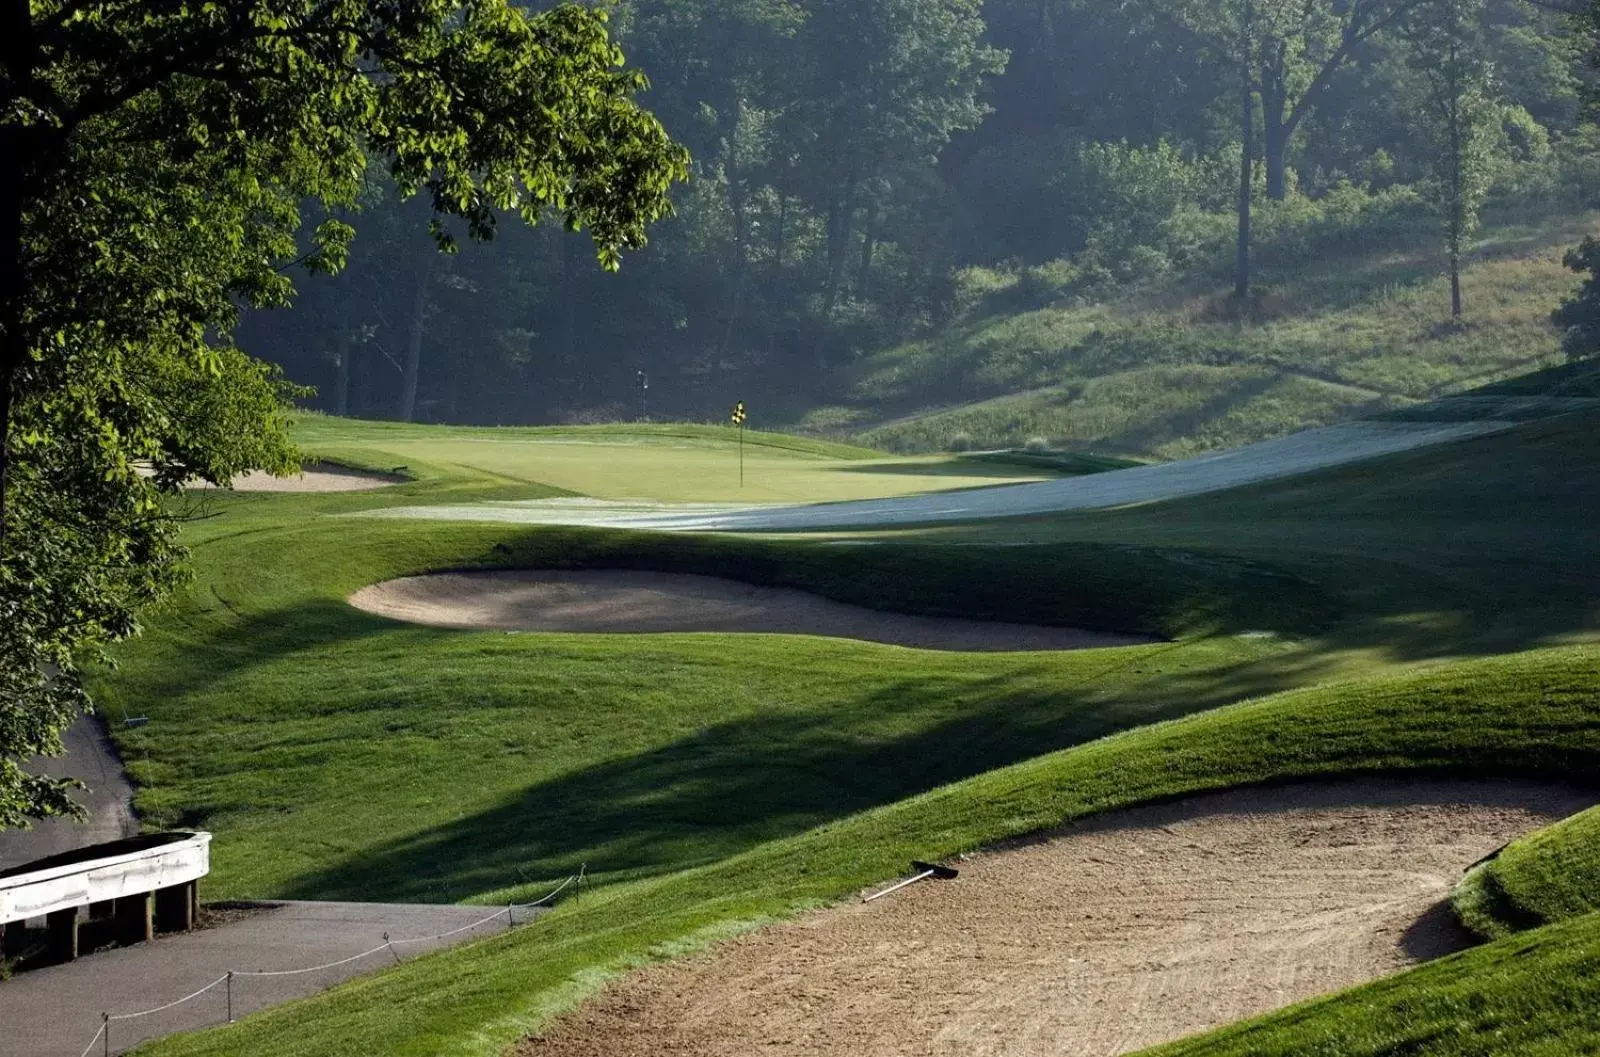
(841, 226)
(1276, 129)
(1458, 218)
(782, 235)
(569, 329)
(781, 238)
(741, 252)
(1277, 158)
(341, 381)
(419, 321)
(1247, 156)
(869, 246)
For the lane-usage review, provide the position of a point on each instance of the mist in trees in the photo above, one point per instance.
(852, 160)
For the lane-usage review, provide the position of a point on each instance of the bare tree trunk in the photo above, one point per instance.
(1276, 145)
(841, 226)
(419, 322)
(780, 237)
(741, 253)
(1458, 219)
(1277, 122)
(1247, 155)
(869, 246)
(341, 380)
(569, 335)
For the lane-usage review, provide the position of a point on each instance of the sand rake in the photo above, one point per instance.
(924, 871)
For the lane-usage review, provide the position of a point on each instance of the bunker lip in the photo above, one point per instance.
(1123, 932)
(622, 602)
(314, 478)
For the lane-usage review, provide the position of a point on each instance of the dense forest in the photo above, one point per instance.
(863, 170)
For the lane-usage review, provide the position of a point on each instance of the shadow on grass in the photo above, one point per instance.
(738, 784)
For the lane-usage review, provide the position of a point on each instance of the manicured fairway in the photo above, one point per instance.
(714, 781)
(680, 464)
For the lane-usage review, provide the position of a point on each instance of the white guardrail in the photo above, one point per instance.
(73, 880)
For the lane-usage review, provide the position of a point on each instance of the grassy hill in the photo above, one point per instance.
(1429, 612)
(1340, 330)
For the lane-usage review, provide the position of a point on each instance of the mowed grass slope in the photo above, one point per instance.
(1534, 715)
(342, 756)
(718, 781)
(1547, 877)
(1167, 372)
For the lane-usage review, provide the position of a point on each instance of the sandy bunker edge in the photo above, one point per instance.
(627, 602)
(1107, 936)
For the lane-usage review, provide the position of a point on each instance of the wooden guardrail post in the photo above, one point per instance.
(63, 928)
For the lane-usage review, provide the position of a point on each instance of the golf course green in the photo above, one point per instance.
(1426, 613)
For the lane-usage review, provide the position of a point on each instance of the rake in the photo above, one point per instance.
(924, 870)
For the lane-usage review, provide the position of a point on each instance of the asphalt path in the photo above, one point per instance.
(55, 1012)
(108, 799)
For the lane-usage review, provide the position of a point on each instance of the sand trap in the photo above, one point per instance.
(315, 477)
(1138, 928)
(621, 602)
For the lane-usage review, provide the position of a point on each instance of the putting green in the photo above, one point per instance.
(668, 464)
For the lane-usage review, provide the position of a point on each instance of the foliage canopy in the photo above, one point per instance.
(158, 158)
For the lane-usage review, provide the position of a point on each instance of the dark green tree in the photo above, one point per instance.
(881, 87)
(1579, 316)
(155, 158)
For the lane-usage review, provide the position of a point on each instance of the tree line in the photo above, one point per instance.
(170, 170)
(850, 160)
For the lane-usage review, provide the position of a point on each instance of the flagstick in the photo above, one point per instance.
(741, 455)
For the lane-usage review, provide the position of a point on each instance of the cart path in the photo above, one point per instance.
(108, 799)
(55, 1012)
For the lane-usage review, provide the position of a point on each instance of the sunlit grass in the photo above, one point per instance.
(1170, 376)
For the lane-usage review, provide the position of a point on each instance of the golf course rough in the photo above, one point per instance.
(1427, 587)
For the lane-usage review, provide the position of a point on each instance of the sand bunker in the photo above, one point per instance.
(620, 602)
(1132, 930)
(314, 477)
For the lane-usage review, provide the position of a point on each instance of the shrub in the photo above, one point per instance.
(1037, 446)
(1579, 316)
(959, 443)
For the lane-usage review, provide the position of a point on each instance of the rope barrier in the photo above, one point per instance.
(454, 932)
(90, 1048)
(314, 968)
(186, 998)
(104, 1032)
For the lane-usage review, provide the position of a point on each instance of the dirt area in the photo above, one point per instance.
(1135, 929)
(620, 602)
(315, 477)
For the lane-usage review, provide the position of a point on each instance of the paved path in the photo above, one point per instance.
(1313, 449)
(55, 1012)
(91, 759)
